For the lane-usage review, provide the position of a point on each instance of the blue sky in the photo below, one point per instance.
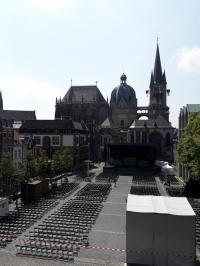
(46, 43)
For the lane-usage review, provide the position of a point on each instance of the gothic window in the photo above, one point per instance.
(144, 137)
(168, 139)
(137, 137)
(132, 138)
(156, 139)
(122, 123)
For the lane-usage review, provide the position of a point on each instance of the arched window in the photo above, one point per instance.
(137, 137)
(155, 138)
(132, 137)
(122, 123)
(168, 139)
(144, 137)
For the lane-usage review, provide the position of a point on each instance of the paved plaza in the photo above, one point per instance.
(107, 237)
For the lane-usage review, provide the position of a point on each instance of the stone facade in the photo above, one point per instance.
(84, 103)
(124, 123)
(121, 121)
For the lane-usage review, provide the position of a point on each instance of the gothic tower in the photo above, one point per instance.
(158, 91)
(1, 101)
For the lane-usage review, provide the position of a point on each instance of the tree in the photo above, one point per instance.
(30, 167)
(43, 165)
(62, 161)
(189, 147)
(7, 171)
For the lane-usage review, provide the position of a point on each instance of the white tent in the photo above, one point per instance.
(160, 231)
(167, 169)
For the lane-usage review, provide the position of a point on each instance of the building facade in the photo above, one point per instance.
(84, 104)
(10, 121)
(125, 123)
(121, 121)
(53, 135)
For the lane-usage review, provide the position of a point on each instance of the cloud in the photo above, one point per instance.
(22, 93)
(51, 4)
(189, 59)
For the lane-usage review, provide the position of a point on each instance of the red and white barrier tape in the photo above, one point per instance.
(35, 243)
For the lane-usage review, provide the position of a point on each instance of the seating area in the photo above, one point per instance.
(195, 203)
(144, 190)
(63, 191)
(144, 179)
(61, 235)
(105, 178)
(23, 217)
(170, 178)
(97, 192)
(175, 191)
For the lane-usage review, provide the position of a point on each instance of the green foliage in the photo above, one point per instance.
(189, 147)
(62, 161)
(30, 167)
(7, 171)
(43, 165)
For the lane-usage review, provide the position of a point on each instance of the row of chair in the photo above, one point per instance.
(67, 227)
(22, 217)
(144, 190)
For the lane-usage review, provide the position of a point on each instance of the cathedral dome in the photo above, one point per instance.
(124, 93)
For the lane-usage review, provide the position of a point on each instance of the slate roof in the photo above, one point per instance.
(83, 94)
(159, 122)
(106, 123)
(51, 125)
(16, 115)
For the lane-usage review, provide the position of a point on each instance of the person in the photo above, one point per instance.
(115, 181)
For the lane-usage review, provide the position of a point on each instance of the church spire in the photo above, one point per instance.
(1, 101)
(157, 67)
(151, 81)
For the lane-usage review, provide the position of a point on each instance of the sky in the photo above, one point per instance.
(44, 44)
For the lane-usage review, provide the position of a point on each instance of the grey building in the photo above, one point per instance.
(9, 140)
(125, 123)
(84, 104)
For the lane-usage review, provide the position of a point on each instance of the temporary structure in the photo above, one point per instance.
(160, 231)
(167, 169)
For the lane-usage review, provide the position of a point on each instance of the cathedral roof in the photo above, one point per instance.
(123, 92)
(159, 122)
(17, 115)
(34, 126)
(106, 123)
(83, 94)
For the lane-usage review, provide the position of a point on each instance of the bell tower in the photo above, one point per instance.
(158, 90)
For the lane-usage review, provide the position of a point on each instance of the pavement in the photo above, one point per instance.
(107, 239)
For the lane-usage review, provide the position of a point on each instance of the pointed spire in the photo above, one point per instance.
(1, 101)
(157, 67)
(164, 78)
(151, 81)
